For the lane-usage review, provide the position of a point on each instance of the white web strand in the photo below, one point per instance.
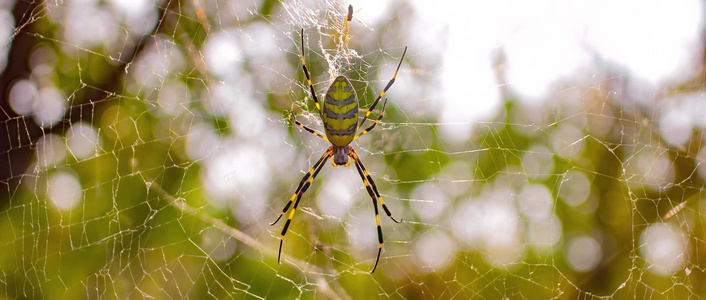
(533, 150)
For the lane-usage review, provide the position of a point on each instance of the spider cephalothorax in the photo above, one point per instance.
(339, 114)
(340, 156)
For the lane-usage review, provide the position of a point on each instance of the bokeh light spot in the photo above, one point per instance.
(64, 190)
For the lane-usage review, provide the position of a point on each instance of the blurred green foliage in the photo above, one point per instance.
(139, 228)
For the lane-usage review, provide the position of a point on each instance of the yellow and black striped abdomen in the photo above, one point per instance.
(340, 112)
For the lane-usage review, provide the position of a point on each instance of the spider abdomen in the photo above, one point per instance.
(340, 112)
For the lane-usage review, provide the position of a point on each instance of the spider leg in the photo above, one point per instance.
(312, 131)
(389, 84)
(308, 78)
(372, 184)
(382, 114)
(372, 191)
(312, 171)
(301, 189)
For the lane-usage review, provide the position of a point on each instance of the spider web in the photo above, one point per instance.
(533, 150)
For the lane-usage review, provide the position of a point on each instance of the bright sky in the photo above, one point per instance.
(547, 42)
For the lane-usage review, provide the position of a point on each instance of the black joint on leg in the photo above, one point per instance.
(403, 53)
(286, 226)
(275, 222)
(389, 84)
(377, 260)
(279, 254)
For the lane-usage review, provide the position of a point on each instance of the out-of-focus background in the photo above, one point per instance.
(534, 149)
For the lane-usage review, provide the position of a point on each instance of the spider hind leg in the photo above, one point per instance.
(303, 186)
(375, 196)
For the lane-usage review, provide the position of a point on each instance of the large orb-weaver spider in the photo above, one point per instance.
(339, 114)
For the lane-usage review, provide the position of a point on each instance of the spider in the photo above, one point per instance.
(339, 113)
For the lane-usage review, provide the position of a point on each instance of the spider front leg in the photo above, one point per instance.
(374, 195)
(308, 78)
(387, 87)
(304, 184)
